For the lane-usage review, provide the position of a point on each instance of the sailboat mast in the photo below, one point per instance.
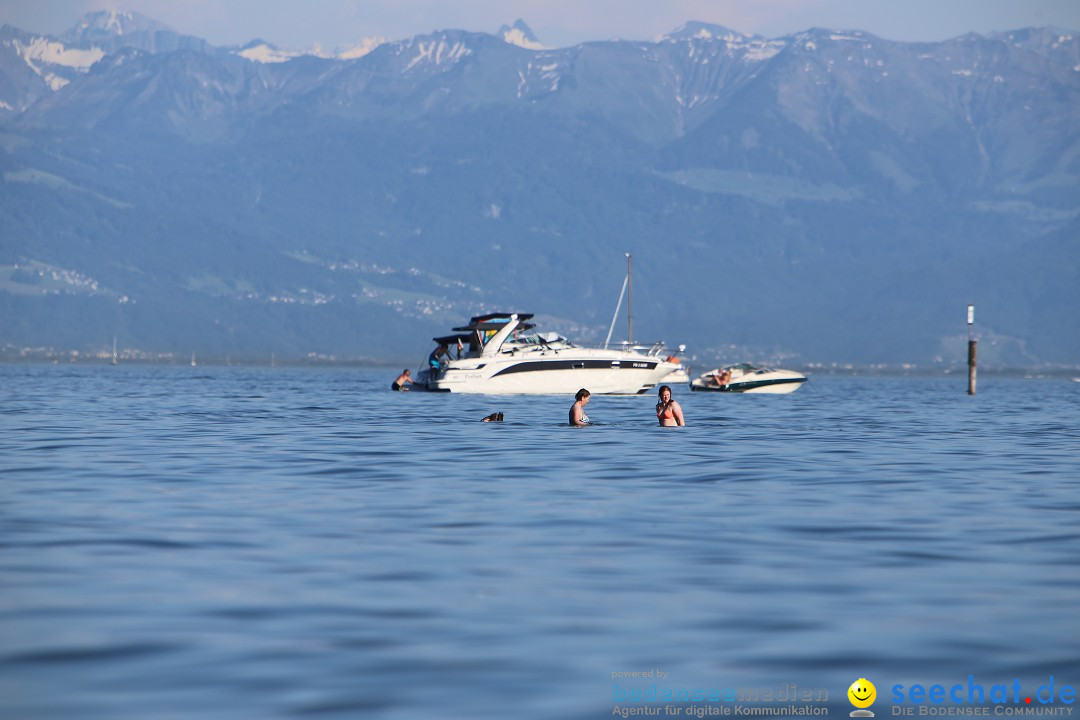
(615, 317)
(629, 300)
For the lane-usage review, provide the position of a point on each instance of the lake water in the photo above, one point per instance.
(282, 543)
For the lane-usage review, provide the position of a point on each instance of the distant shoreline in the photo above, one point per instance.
(811, 370)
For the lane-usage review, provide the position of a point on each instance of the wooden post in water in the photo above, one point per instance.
(971, 350)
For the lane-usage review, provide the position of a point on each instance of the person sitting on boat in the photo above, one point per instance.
(434, 365)
(722, 378)
(405, 378)
(668, 412)
(578, 418)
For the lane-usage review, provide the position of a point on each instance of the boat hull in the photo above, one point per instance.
(761, 387)
(612, 374)
(748, 379)
(677, 376)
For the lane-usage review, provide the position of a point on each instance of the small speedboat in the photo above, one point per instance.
(746, 378)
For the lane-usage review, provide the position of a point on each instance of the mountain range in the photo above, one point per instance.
(819, 198)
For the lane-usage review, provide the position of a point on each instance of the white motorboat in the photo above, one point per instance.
(745, 378)
(680, 375)
(500, 354)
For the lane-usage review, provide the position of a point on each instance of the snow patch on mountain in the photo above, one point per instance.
(541, 76)
(352, 52)
(262, 52)
(110, 21)
(49, 51)
(516, 37)
(46, 57)
(519, 34)
(704, 31)
(438, 53)
(840, 36)
(760, 50)
(703, 41)
(113, 22)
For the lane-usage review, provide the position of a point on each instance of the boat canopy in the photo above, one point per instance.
(495, 321)
(482, 329)
(449, 340)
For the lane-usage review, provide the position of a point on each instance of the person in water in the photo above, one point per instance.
(493, 417)
(578, 418)
(668, 412)
(405, 378)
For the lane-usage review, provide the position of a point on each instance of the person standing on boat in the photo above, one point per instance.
(578, 418)
(668, 412)
(434, 365)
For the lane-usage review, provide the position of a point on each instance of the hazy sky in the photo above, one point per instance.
(556, 22)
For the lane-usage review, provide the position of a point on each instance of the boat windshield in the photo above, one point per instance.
(537, 339)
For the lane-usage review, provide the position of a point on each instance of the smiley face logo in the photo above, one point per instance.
(862, 694)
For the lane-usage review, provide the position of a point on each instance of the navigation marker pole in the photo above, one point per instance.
(971, 350)
(629, 302)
